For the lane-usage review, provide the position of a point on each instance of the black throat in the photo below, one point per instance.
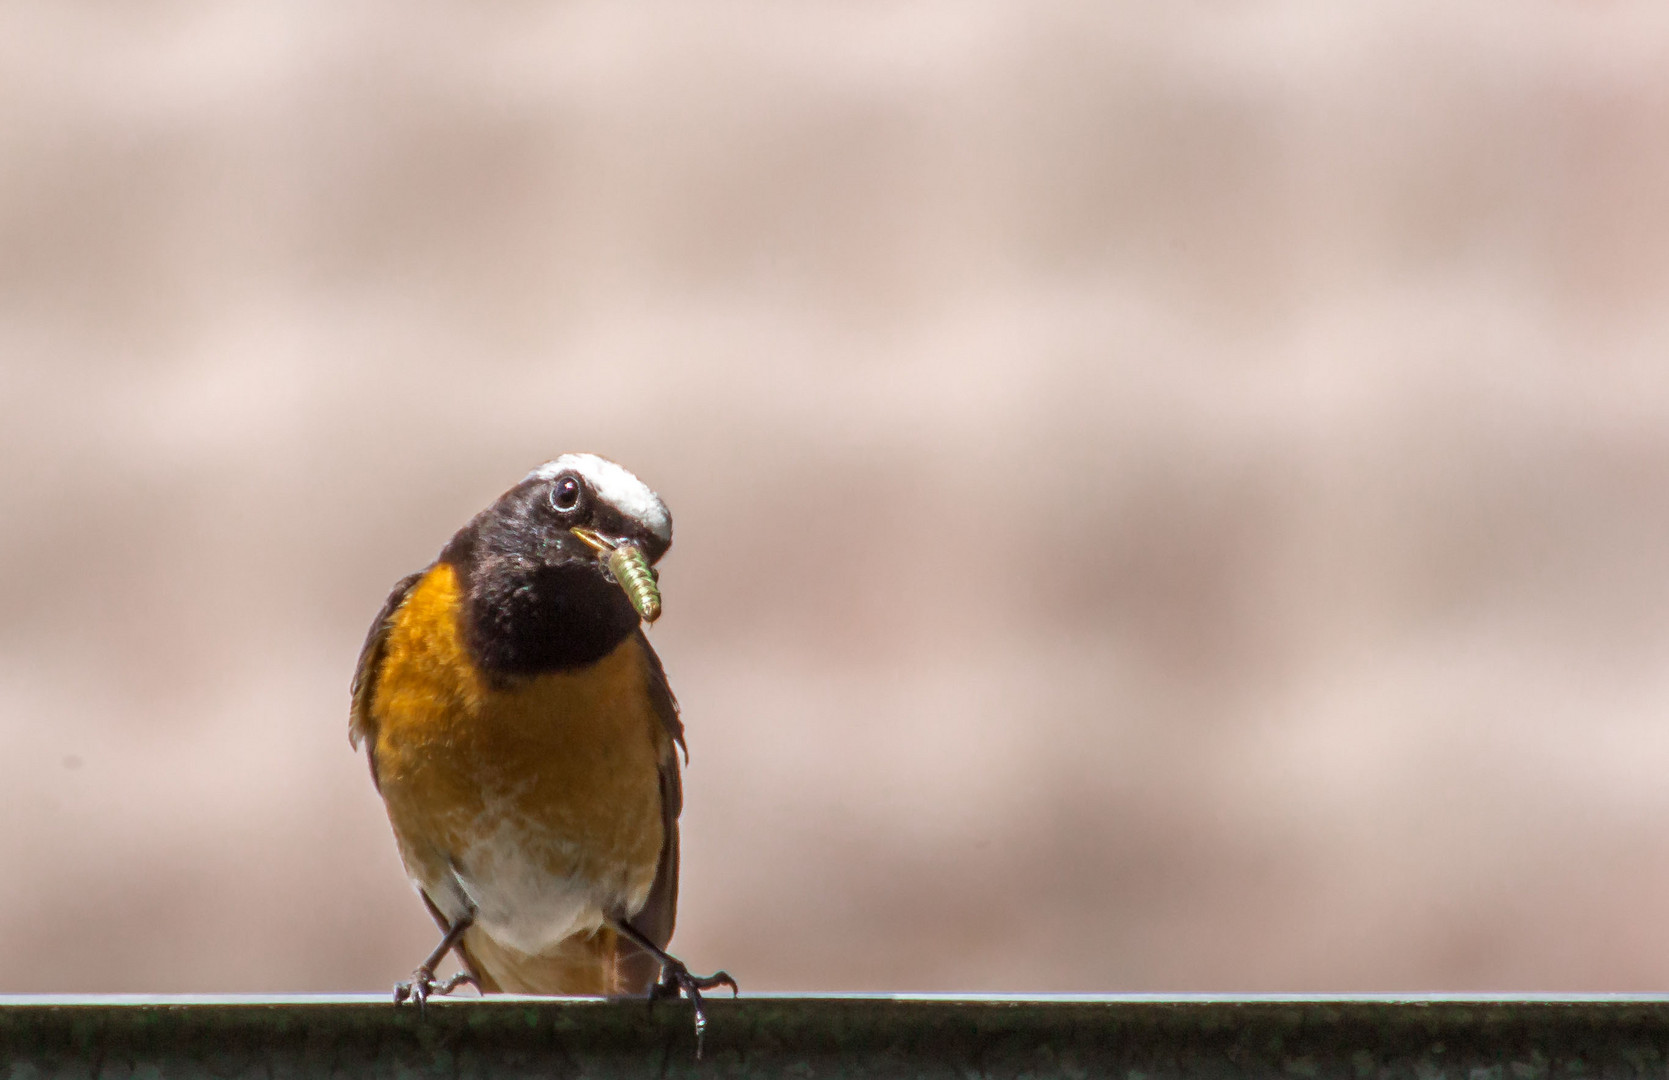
(525, 616)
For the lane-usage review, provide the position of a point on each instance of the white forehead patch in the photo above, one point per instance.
(615, 486)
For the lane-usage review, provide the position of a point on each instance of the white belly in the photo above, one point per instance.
(504, 877)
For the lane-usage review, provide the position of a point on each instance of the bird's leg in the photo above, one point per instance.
(677, 979)
(422, 984)
(445, 925)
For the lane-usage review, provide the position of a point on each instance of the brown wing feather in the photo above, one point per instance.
(362, 726)
(638, 969)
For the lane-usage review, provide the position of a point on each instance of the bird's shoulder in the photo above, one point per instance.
(361, 722)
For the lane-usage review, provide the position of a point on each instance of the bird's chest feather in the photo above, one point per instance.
(540, 793)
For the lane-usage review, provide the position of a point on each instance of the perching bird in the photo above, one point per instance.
(521, 732)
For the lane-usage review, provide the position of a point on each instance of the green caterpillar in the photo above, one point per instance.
(638, 579)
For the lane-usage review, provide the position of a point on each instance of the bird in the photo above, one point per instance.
(522, 735)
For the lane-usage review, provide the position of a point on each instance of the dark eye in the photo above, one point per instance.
(565, 494)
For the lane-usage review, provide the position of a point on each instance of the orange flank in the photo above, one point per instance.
(536, 799)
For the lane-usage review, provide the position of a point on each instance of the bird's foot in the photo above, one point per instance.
(422, 986)
(676, 979)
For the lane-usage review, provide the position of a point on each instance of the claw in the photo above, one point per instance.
(676, 979)
(422, 986)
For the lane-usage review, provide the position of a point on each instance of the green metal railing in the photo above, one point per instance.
(1131, 1038)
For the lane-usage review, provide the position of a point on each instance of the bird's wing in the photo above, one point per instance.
(362, 726)
(638, 969)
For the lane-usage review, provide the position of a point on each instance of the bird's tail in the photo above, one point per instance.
(585, 965)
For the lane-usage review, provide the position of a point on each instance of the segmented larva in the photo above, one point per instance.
(637, 578)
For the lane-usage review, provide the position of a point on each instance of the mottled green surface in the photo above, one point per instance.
(810, 1037)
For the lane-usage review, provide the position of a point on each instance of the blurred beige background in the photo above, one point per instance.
(1169, 496)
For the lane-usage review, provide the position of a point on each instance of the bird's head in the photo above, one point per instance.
(563, 560)
(600, 504)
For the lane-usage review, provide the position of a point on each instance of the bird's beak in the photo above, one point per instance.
(595, 541)
(630, 568)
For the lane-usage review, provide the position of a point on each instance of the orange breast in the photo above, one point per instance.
(554, 775)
